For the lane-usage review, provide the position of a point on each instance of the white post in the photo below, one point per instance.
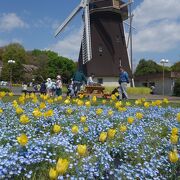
(163, 61)
(11, 62)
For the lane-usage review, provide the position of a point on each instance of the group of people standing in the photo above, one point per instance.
(53, 88)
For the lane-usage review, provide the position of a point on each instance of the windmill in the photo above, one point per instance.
(103, 44)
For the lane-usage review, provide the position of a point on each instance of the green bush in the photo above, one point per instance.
(177, 88)
(4, 89)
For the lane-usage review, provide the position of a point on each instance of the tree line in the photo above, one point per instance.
(42, 63)
(146, 67)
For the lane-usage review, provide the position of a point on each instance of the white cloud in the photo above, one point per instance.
(69, 46)
(158, 26)
(11, 21)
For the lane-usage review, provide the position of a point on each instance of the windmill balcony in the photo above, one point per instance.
(109, 5)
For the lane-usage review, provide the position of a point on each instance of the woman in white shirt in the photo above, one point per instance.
(90, 81)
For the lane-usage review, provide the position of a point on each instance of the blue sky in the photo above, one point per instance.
(33, 23)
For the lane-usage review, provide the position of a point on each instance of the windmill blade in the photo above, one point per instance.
(126, 4)
(86, 44)
(70, 17)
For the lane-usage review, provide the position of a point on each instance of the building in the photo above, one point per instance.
(156, 80)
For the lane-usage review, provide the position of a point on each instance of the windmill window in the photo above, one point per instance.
(100, 49)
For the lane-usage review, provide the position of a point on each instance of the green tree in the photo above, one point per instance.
(176, 67)
(17, 53)
(146, 67)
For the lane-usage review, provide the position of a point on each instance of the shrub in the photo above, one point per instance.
(4, 89)
(177, 88)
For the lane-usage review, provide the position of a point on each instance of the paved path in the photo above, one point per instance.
(17, 91)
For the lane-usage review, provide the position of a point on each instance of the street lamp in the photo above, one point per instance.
(11, 62)
(163, 61)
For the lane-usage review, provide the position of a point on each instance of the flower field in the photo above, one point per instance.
(57, 138)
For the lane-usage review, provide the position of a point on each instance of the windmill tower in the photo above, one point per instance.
(103, 45)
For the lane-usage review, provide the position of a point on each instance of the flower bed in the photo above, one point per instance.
(44, 138)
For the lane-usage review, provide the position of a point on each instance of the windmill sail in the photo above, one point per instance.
(86, 42)
(71, 16)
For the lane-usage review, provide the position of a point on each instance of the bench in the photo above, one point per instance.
(93, 90)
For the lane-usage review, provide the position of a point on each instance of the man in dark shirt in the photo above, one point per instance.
(123, 80)
(78, 80)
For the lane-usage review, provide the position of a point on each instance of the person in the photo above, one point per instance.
(70, 89)
(123, 81)
(49, 86)
(152, 89)
(43, 88)
(24, 88)
(90, 81)
(78, 80)
(59, 86)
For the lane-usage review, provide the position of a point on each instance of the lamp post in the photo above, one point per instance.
(11, 62)
(163, 61)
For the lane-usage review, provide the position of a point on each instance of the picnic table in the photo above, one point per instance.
(96, 90)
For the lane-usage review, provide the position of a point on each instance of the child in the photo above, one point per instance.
(70, 91)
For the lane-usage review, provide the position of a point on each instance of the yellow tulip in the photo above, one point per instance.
(56, 128)
(11, 94)
(81, 149)
(113, 97)
(103, 136)
(123, 128)
(86, 129)
(138, 102)
(173, 156)
(128, 104)
(174, 131)
(111, 133)
(110, 112)
(139, 115)
(24, 119)
(75, 129)
(53, 173)
(37, 113)
(48, 113)
(118, 104)
(69, 111)
(59, 98)
(165, 100)
(22, 139)
(158, 102)
(178, 117)
(130, 120)
(94, 99)
(83, 119)
(67, 101)
(174, 139)
(42, 105)
(99, 111)
(2, 94)
(88, 103)
(146, 104)
(62, 166)
(19, 110)
(1, 111)
(103, 101)
(80, 103)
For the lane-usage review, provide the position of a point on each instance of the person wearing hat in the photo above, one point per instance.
(123, 80)
(59, 86)
(49, 86)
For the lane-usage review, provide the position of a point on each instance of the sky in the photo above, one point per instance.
(33, 24)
